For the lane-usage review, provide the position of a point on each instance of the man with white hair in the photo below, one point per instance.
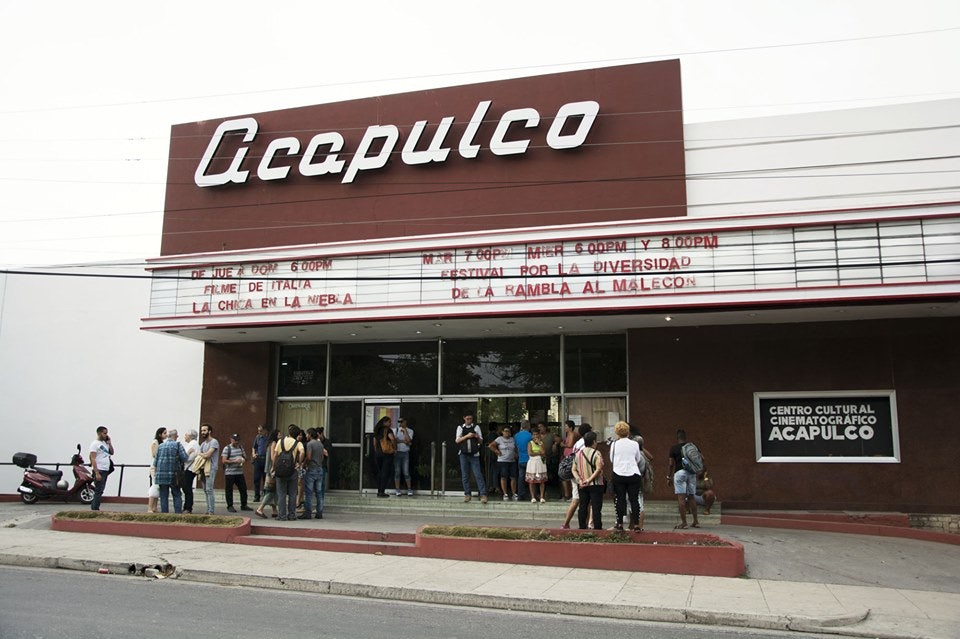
(189, 478)
(169, 463)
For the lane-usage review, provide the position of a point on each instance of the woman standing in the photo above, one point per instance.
(627, 463)
(269, 481)
(153, 496)
(588, 473)
(570, 437)
(537, 468)
(384, 447)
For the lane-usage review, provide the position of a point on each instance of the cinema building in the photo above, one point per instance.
(565, 247)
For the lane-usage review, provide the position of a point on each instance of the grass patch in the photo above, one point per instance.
(218, 521)
(580, 536)
(526, 534)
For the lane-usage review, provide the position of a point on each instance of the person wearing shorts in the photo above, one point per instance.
(505, 448)
(684, 482)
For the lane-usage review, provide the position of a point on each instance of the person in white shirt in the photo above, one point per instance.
(192, 447)
(627, 464)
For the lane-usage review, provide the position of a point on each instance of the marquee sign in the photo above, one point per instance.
(577, 147)
(835, 427)
(578, 271)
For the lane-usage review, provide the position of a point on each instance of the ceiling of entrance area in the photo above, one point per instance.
(434, 328)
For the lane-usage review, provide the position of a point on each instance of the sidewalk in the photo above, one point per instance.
(849, 610)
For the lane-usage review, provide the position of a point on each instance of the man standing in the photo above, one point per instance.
(259, 460)
(287, 486)
(209, 447)
(401, 461)
(523, 438)
(469, 441)
(192, 448)
(170, 458)
(684, 482)
(313, 480)
(100, 451)
(233, 459)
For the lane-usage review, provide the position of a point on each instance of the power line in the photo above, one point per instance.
(433, 76)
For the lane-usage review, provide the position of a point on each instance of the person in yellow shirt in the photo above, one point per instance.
(287, 477)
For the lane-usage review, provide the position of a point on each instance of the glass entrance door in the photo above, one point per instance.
(373, 411)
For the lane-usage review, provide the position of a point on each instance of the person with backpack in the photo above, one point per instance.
(469, 440)
(588, 473)
(287, 456)
(685, 464)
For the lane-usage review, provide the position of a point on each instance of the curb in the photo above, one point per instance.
(825, 624)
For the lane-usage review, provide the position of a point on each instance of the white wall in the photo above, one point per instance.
(856, 158)
(73, 357)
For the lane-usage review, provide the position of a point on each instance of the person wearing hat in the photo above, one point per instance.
(233, 458)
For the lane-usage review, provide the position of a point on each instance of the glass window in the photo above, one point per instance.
(595, 363)
(384, 368)
(303, 371)
(511, 365)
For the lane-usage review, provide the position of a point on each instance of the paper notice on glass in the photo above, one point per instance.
(612, 418)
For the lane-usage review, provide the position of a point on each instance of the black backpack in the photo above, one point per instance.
(283, 466)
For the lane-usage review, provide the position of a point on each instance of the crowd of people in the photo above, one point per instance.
(291, 469)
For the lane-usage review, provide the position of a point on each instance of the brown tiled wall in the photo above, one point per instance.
(703, 379)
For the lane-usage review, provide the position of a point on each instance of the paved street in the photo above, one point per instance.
(168, 608)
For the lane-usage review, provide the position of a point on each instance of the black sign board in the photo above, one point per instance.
(856, 426)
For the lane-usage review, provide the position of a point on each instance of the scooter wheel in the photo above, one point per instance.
(28, 498)
(87, 494)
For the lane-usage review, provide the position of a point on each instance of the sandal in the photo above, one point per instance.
(259, 514)
(680, 527)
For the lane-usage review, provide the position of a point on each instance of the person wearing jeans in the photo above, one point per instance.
(468, 435)
(401, 459)
(313, 480)
(170, 458)
(100, 451)
(209, 450)
(287, 486)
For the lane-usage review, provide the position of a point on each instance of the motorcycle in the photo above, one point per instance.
(43, 483)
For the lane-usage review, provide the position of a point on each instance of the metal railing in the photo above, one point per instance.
(57, 465)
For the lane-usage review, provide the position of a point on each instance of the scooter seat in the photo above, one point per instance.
(56, 475)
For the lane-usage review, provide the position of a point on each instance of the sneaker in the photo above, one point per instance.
(466, 498)
(231, 509)
(533, 500)
(396, 493)
(409, 492)
(303, 516)
(245, 508)
(506, 498)
(516, 498)
(543, 501)
(483, 499)
(319, 515)
(382, 495)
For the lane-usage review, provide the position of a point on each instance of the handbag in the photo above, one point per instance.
(387, 447)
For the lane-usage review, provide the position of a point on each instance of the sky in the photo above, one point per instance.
(89, 91)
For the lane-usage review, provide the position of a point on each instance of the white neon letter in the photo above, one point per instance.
(360, 162)
(467, 148)
(528, 116)
(330, 163)
(586, 110)
(233, 174)
(433, 153)
(265, 171)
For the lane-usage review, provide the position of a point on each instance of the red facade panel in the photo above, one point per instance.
(630, 165)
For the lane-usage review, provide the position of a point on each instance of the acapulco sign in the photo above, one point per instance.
(597, 145)
(322, 155)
